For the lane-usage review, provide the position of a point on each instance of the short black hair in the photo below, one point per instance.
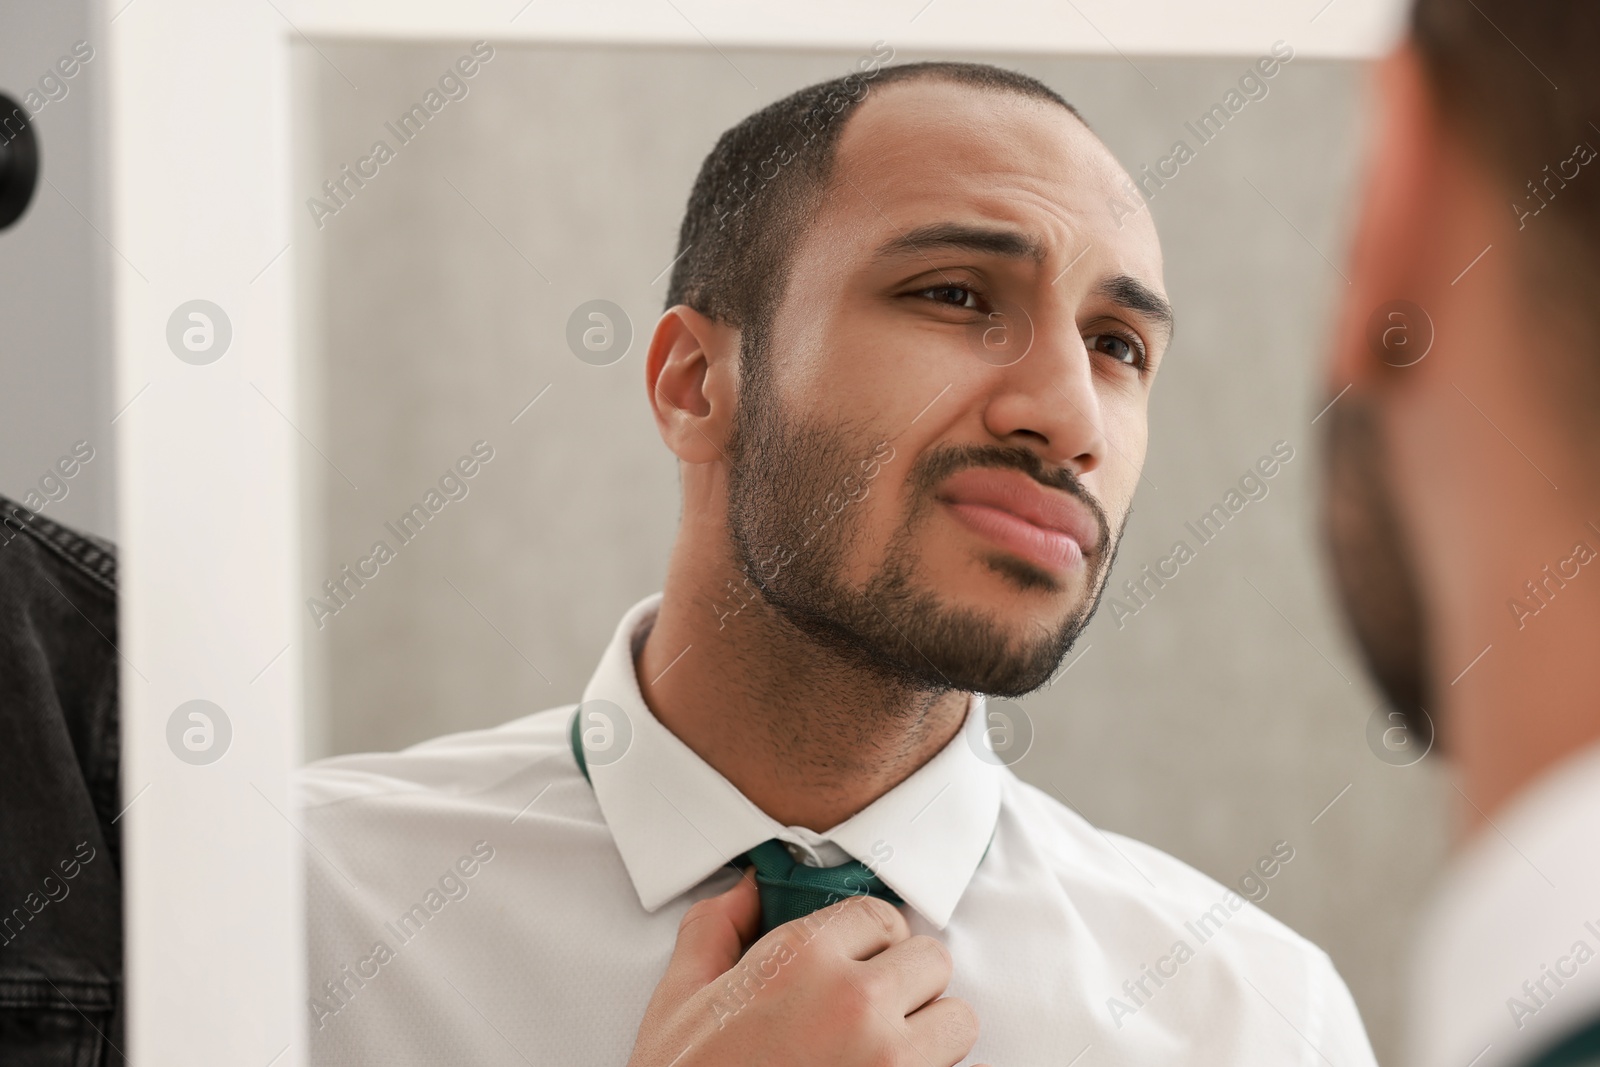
(759, 186)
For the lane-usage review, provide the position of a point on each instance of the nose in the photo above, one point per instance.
(1046, 400)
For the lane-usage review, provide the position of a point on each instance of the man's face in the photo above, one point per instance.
(932, 469)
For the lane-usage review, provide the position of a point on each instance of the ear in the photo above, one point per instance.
(1389, 257)
(692, 377)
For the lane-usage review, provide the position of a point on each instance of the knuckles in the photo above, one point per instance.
(938, 950)
(959, 1025)
(886, 915)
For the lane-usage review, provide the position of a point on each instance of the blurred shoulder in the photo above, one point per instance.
(474, 768)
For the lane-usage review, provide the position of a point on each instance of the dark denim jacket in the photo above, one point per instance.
(60, 865)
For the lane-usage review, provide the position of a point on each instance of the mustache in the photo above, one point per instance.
(933, 469)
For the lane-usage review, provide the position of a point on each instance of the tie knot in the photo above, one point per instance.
(790, 889)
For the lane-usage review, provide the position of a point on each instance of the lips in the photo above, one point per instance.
(1045, 526)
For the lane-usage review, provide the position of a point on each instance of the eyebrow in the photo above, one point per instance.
(941, 235)
(1129, 292)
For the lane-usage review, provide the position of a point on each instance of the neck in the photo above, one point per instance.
(809, 738)
(1533, 701)
(1513, 585)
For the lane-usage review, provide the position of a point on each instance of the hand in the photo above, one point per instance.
(847, 986)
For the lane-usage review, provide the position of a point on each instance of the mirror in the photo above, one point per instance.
(485, 234)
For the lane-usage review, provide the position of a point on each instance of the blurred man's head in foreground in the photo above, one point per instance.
(1461, 491)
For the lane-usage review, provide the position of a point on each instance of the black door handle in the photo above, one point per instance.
(19, 161)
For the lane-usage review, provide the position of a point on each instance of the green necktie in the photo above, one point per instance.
(789, 889)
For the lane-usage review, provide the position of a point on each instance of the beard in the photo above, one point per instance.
(781, 472)
(1373, 571)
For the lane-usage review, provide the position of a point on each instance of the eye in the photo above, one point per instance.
(1124, 348)
(957, 296)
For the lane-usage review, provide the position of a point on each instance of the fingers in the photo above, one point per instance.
(945, 1031)
(908, 980)
(743, 902)
(856, 928)
(909, 975)
(712, 936)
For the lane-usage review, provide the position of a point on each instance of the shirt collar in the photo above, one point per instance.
(675, 819)
(1500, 914)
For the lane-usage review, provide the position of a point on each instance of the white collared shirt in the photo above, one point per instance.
(1508, 961)
(473, 899)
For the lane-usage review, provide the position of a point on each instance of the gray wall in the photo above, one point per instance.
(55, 366)
(1222, 717)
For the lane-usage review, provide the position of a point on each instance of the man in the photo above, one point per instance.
(905, 365)
(1464, 506)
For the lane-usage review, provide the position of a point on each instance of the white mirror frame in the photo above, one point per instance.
(199, 144)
